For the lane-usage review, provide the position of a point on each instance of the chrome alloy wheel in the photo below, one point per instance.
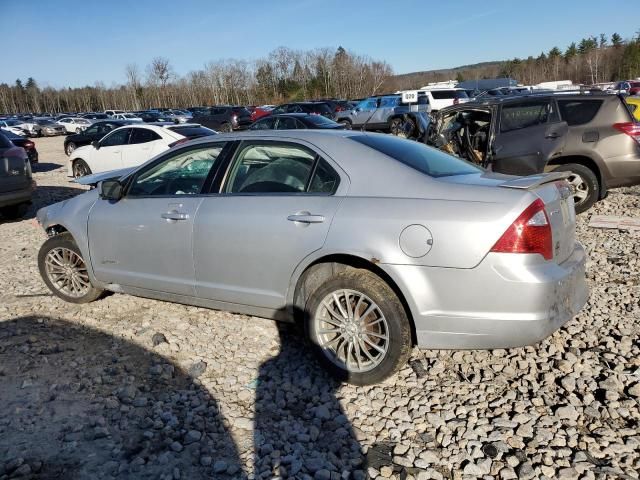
(579, 188)
(67, 272)
(351, 330)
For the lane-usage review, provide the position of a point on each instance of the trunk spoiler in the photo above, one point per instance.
(532, 181)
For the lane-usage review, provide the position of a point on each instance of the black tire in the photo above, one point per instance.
(13, 212)
(226, 127)
(80, 168)
(399, 330)
(585, 180)
(346, 123)
(401, 128)
(64, 240)
(78, 130)
(69, 148)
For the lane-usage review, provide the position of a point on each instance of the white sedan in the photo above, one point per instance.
(13, 126)
(127, 116)
(74, 124)
(130, 146)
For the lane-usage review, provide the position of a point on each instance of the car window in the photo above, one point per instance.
(325, 179)
(517, 116)
(270, 168)
(389, 101)
(295, 109)
(448, 94)
(264, 124)
(286, 123)
(93, 129)
(280, 109)
(578, 112)
(320, 121)
(181, 173)
(416, 155)
(143, 135)
(118, 137)
(368, 104)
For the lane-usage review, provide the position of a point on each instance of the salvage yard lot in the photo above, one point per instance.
(139, 388)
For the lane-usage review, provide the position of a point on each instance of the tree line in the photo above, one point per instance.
(289, 75)
(283, 75)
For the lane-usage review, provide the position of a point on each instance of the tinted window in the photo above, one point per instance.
(183, 173)
(193, 132)
(119, 137)
(280, 109)
(578, 112)
(322, 108)
(143, 135)
(389, 101)
(270, 168)
(320, 121)
(297, 108)
(416, 155)
(523, 115)
(286, 123)
(94, 129)
(367, 104)
(448, 94)
(265, 124)
(325, 179)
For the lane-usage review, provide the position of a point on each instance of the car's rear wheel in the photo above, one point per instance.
(583, 183)
(80, 168)
(69, 148)
(226, 127)
(78, 130)
(358, 327)
(402, 128)
(64, 270)
(13, 212)
(346, 123)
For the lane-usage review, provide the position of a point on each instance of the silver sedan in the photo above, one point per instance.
(374, 243)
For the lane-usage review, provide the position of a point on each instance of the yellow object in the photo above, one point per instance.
(634, 103)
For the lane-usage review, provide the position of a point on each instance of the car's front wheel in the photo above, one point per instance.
(345, 123)
(80, 168)
(64, 270)
(583, 183)
(358, 327)
(69, 148)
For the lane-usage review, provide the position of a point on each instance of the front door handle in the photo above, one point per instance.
(305, 217)
(175, 215)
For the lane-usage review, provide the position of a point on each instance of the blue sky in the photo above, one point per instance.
(74, 43)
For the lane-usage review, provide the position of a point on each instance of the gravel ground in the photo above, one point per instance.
(134, 388)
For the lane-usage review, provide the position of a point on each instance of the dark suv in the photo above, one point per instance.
(15, 179)
(314, 108)
(223, 118)
(592, 136)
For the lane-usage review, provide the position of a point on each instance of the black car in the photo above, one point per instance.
(295, 121)
(25, 143)
(151, 116)
(95, 116)
(224, 118)
(337, 105)
(317, 108)
(95, 132)
(16, 183)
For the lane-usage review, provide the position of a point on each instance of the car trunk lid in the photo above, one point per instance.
(14, 170)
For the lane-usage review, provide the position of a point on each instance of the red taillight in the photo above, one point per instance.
(28, 144)
(339, 109)
(529, 233)
(179, 142)
(630, 128)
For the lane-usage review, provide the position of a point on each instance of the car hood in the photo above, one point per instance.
(99, 177)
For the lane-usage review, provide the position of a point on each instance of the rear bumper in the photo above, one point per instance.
(16, 197)
(509, 300)
(624, 170)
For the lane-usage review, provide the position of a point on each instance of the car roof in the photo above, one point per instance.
(295, 115)
(491, 100)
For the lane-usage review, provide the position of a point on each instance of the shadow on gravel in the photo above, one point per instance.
(79, 403)
(299, 424)
(45, 167)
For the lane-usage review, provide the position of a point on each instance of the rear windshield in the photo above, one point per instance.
(425, 159)
(241, 111)
(578, 112)
(192, 131)
(320, 108)
(448, 94)
(320, 121)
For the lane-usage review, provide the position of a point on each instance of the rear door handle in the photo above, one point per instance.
(174, 215)
(306, 218)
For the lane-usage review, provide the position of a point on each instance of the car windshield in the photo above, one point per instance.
(425, 159)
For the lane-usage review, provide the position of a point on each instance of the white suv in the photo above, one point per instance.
(113, 113)
(440, 98)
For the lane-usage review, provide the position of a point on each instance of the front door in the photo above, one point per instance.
(144, 144)
(274, 209)
(527, 135)
(145, 239)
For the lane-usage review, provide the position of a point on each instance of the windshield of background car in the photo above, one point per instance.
(320, 121)
(425, 159)
(448, 94)
(322, 108)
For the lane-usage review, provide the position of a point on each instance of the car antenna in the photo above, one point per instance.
(372, 114)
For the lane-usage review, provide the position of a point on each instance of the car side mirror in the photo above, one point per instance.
(96, 144)
(110, 190)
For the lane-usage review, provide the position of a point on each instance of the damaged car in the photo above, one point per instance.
(593, 137)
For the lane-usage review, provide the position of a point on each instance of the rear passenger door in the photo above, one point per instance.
(527, 135)
(273, 210)
(143, 145)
